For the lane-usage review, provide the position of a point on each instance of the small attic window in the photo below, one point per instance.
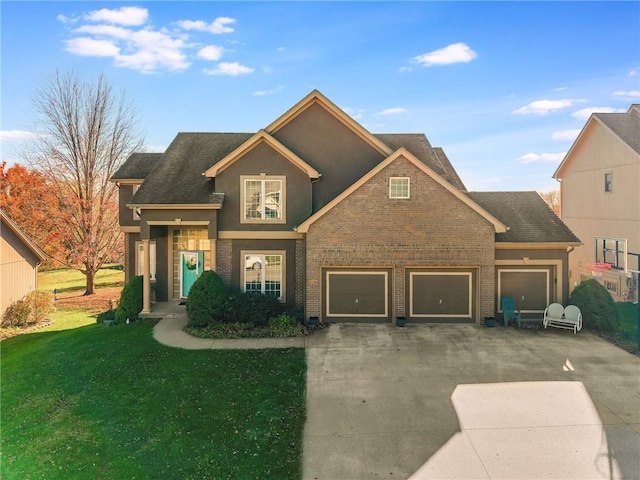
(399, 187)
(608, 182)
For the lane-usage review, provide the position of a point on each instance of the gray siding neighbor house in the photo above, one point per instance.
(342, 223)
(19, 261)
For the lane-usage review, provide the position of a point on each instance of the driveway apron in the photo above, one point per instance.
(465, 401)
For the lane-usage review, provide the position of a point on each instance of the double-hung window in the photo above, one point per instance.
(263, 199)
(140, 258)
(263, 272)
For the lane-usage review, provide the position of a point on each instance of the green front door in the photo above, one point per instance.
(191, 266)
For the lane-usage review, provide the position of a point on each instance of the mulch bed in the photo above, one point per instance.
(104, 299)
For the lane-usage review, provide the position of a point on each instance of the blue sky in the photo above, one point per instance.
(503, 87)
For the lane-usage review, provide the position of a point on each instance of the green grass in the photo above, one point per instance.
(66, 280)
(112, 403)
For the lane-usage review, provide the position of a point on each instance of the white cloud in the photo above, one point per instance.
(219, 25)
(90, 47)
(354, 113)
(392, 111)
(405, 69)
(232, 69)
(64, 19)
(9, 136)
(154, 148)
(544, 107)
(630, 94)
(211, 52)
(123, 35)
(566, 134)
(128, 16)
(560, 89)
(454, 53)
(273, 91)
(633, 73)
(541, 157)
(585, 113)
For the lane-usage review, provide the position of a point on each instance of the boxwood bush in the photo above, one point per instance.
(205, 297)
(130, 304)
(597, 307)
(247, 307)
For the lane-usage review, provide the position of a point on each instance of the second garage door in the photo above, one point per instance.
(441, 295)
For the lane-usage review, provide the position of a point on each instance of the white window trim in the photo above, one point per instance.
(283, 269)
(396, 197)
(283, 199)
(152, 266)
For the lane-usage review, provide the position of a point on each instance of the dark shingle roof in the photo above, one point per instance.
(137, 166)
(178, 179)
(624, 125)
(418, 145)
(527, 216)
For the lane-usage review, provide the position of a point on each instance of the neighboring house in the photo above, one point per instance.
(600, 199)
(19, 260)
(342, 223)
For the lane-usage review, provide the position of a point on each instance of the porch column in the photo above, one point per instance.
(146, 276)
(214, 261)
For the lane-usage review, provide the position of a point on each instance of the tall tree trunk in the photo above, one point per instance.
(91, 282)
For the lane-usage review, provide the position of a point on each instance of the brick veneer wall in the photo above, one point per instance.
(432, 228)
(224, 260)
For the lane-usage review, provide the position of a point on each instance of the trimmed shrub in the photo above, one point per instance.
(17, 314)
(130, 304)
(205, 296)
(597, 307)
(106, 315)
(285, 326)
(247, 307)
(41, 303)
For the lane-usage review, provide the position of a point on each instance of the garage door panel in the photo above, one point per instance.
(357, 294)
(529, 288)
(441, 294)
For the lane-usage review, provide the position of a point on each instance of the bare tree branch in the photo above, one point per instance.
(87, 132)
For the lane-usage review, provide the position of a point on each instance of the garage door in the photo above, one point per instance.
(530, 288)
(356, 295)
(441, 295)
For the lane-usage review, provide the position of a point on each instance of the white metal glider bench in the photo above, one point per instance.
(555, 315)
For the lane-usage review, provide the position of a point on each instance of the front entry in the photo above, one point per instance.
(191, 267)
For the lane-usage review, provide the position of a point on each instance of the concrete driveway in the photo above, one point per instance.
(465, 401)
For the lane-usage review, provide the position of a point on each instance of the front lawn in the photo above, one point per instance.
(112, 403)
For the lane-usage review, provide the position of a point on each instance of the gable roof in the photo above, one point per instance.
(261, 137)
(315, 97)
(22, 236)
(625, 126)
(136, 167)
(432, 157)
(529, 218)
(402, 152)
(177, 179)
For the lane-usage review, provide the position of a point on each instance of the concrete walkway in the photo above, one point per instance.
(459, 402)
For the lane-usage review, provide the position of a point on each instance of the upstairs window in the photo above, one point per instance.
(263, 199)
(608, 182)
(399, 187)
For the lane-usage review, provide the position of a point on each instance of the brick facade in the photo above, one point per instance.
(433, 228)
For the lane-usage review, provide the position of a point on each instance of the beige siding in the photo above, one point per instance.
(18, 268)
(590, 211)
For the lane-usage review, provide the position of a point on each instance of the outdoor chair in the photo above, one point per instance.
(557, 316)
(509, 312)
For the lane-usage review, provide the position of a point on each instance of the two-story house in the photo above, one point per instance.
(600, 198)
(342, 223)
